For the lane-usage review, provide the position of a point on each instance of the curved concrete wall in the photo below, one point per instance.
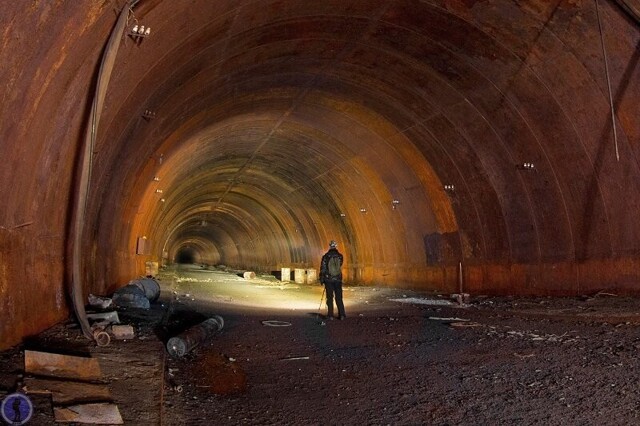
(278, 125)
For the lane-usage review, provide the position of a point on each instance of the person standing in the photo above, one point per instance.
(331, 277)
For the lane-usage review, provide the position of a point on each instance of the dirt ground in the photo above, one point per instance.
(395, 360)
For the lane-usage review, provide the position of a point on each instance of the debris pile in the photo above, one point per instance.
(424, 301)
(76, 385)
(106, 325)
(137, 294)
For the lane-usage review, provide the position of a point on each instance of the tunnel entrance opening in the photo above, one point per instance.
(186, 255)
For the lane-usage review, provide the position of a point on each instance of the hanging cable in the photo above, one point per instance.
(606, 70)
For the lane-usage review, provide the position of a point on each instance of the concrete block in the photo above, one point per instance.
(122, 332)
(299, 276)
(285, 274)
(312, 276)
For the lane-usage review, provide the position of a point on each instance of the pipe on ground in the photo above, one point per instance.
(188, 340)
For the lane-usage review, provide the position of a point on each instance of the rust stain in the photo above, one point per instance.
(215, 374)
(8, 29)
(4, 282)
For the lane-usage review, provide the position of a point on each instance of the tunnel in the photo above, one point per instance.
(490, 147)
(186, 255)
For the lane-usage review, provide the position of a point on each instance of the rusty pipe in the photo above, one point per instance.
(84, 173)
(188, 340)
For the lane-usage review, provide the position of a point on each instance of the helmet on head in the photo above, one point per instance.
(333, 244)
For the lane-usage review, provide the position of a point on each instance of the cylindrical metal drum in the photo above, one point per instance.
(149, 286)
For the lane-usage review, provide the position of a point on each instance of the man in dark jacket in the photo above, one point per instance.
(331, 277)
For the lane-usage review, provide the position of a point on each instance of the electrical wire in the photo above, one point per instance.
(606, 70)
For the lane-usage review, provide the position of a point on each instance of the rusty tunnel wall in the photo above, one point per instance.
(256, 131)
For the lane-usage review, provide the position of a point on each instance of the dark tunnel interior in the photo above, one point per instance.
(186, 255)
(485, 146)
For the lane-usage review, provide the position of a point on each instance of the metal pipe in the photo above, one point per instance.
(631, 7)
(186, 341)
(84, 175)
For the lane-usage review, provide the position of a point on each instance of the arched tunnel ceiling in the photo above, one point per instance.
(284, 124)
(400, 128)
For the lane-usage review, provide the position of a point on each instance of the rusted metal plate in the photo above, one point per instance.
(63, 366)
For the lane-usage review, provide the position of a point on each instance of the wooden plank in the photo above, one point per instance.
(65, 392)
(65, 366)
(95, 414)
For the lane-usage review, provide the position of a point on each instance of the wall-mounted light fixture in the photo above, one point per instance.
(449, 188)
(394, 204)
(139, 32)
(148, 115)
(158, 191)
(162, 200)
(343, 215)
(156, 179)
(363, 210)
(526, 166)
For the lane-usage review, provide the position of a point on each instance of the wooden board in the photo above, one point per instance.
(95, 414)
(66, 392)
(65, 366)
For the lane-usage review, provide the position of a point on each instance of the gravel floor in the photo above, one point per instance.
(498, 361)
